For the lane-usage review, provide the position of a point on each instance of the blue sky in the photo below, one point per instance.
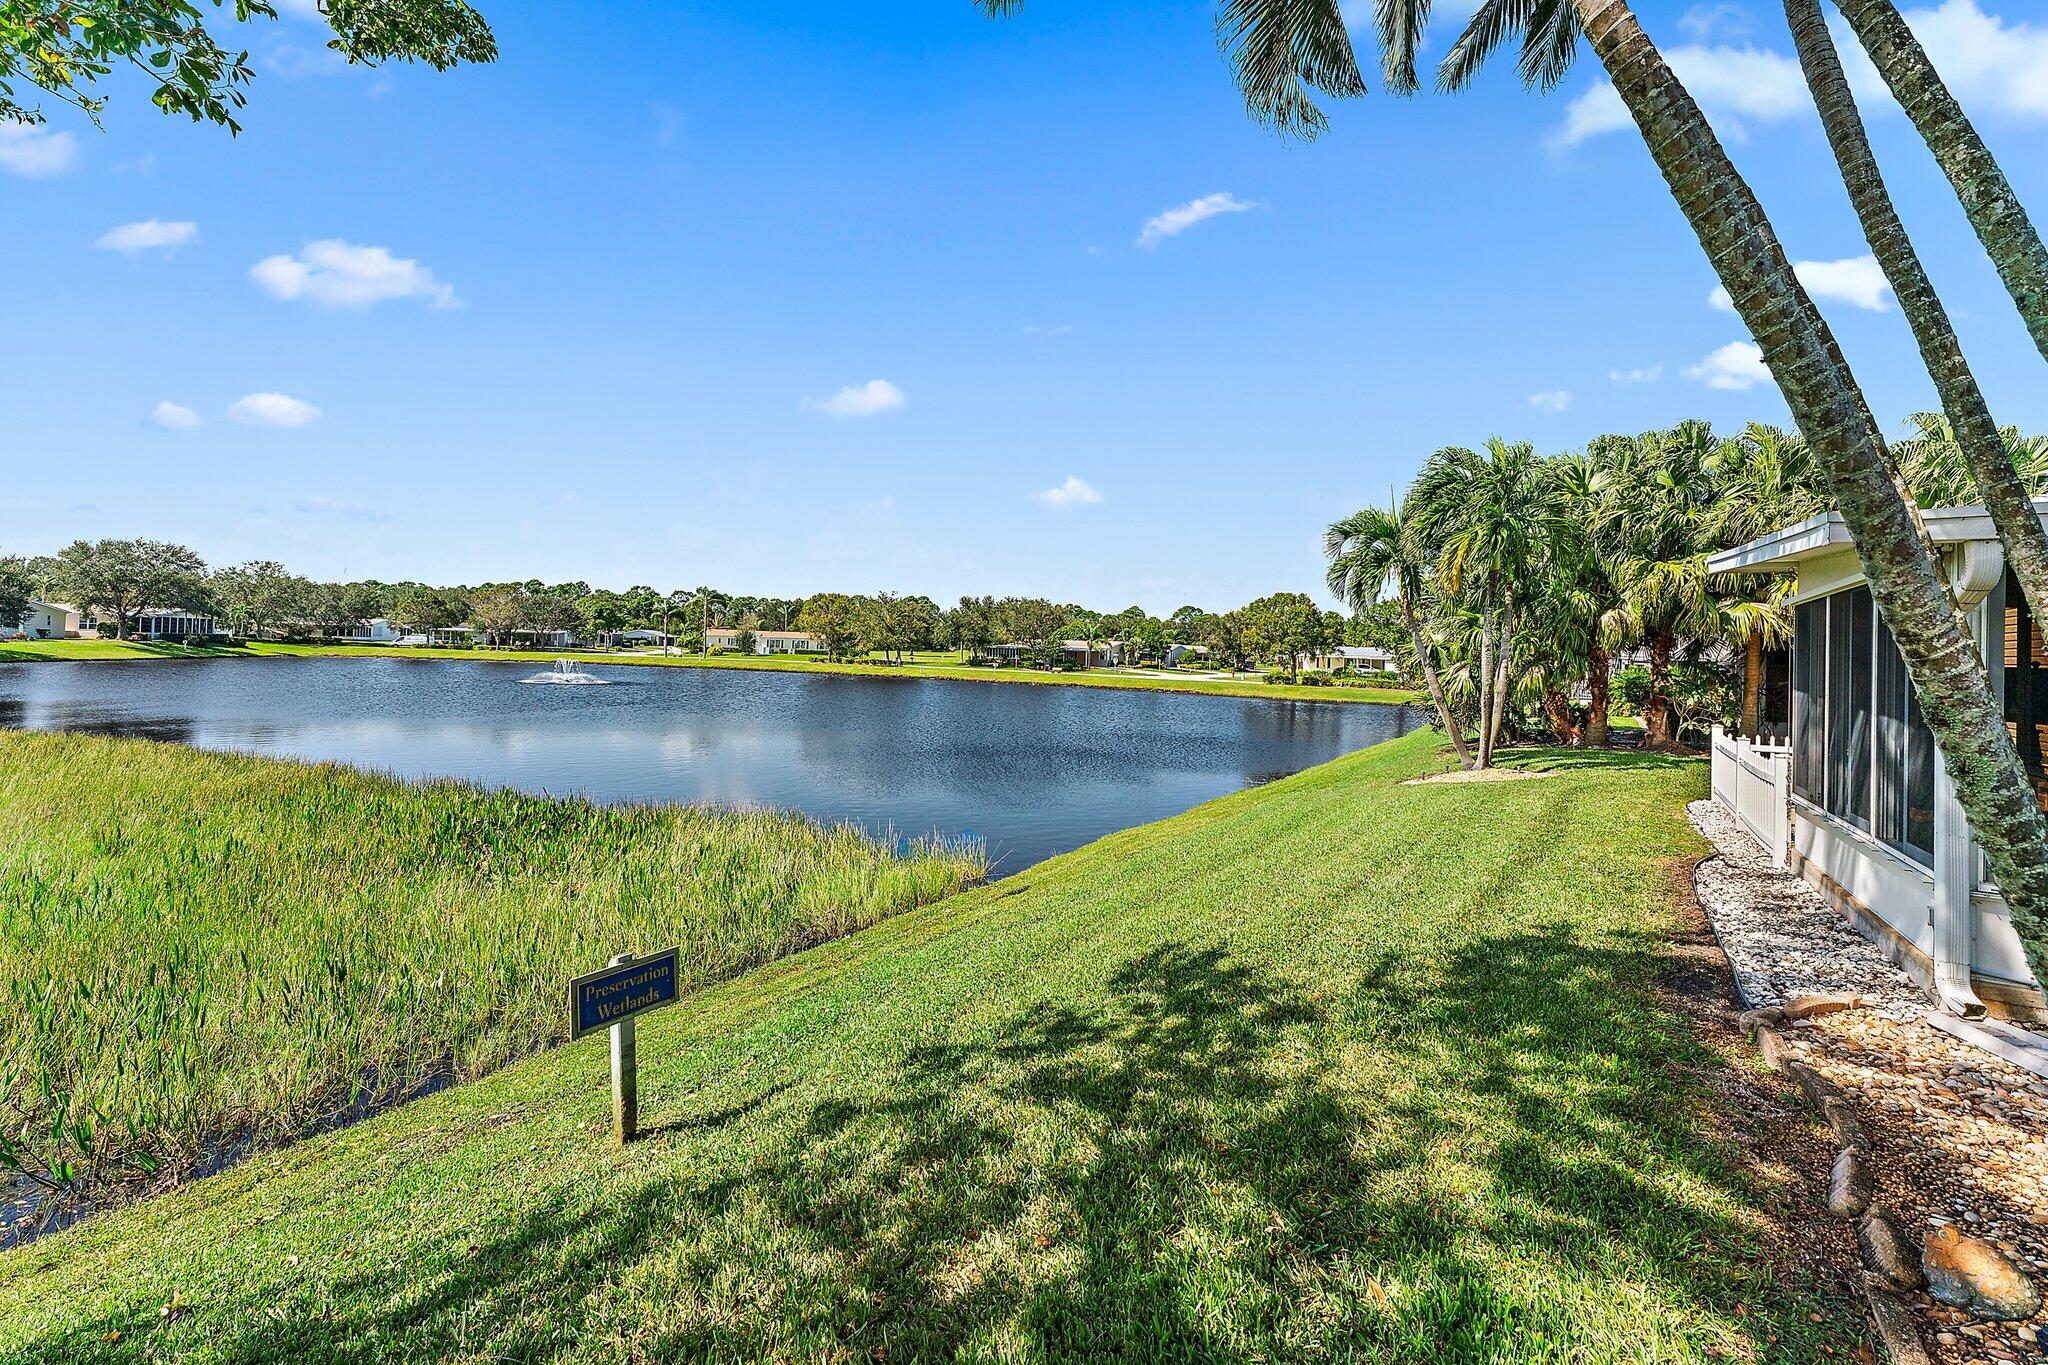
(860, 297)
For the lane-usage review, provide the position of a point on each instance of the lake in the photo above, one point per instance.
(1031, 770)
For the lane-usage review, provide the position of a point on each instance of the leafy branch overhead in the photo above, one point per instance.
(66, 49)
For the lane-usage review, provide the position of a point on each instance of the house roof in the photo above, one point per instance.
(1782, 550)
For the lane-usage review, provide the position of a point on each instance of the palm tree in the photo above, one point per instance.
(1578, 604)
(1369, 550)
(1486, 514)
(1764, 478)
(1974, 433)
(1935, 469)
(1994, 210)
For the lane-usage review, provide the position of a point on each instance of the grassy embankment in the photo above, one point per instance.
(924, 666)
(1334, 1068)
(197, 947)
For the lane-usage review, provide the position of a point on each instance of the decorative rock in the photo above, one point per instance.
(1771, 1045)
(1969, 1273)
(1887, 1251)
(1770, 1016)
(1826, 1002)
(1841, 1120)
(1849, 1184)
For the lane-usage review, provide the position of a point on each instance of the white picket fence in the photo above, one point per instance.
(1754, 780)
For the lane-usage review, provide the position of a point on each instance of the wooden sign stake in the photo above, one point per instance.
(625, 1075)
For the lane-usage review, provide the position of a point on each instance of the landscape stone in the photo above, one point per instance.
(1969, 1273)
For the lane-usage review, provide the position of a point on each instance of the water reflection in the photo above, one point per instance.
(1034, 770)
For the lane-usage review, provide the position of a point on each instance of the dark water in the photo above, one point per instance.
(1032, 770)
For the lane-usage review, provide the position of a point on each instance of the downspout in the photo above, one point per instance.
(1974, 569)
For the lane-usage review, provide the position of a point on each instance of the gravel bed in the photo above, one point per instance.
(1957, 1135)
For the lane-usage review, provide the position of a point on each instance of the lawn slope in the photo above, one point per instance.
(1335, 1068)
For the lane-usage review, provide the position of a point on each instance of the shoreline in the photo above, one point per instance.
(113, 651)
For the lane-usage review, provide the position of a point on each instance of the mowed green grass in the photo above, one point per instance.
(1336, 1068)
(197, 947)
(925, 666)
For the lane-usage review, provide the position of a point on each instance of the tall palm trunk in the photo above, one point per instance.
(1994, 210)
(1557, 710)
(1435, 684)
(1502, 653)
(1955, 693)
(1752, 684)
(1998, 483)
(1658, 731)
(1597, 683)
(1484, 686)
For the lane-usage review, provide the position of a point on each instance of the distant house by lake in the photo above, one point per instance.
(1367, 657)
(766, 641)
(45, 621)
(170, 623)
(375, 631)
(1073, 653)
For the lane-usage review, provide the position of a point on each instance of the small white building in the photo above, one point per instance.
(766, 641)
(375, 631)
(641, 637)
(1367, 658)
(45, 621)
(1873, 819)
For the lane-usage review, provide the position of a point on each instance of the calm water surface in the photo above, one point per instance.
(1034, 771)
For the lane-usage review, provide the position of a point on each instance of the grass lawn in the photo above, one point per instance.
(1336, 1068)
(197, 947)
(924, 666)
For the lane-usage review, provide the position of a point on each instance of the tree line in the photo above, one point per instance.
(114, 581)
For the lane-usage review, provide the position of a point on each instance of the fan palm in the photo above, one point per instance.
(1764, 478)
(1973, 432)
(1934, 465)
(1369, 550)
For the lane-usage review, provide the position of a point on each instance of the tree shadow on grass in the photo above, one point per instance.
(1207, 1161)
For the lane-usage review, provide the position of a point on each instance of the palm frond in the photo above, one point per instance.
(1280, 51)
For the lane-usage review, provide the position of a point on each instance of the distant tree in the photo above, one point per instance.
(67, 50)
(1148, 638)
(495, 612)
(1283, 627)
(1034, 623)
(420, 609)
(743, 638)
(258, 595)
(834, 618)
(1223, 634)
(121, 577)
(971, 626)
(17, 590)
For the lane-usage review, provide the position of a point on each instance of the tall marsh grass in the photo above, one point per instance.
(199, 950)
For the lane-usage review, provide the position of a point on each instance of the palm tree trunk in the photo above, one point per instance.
(1597, 683)
(1484, 685)
(1557, 709)
(1955, 693)
(1658, 732)
(1434, 683)
(1998, 483)
(1993, 209)
(1752, 684)
(1500, 665)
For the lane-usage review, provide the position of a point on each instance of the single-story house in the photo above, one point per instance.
(1873, 819)
(45, 621)
(641, 637)
(1365, 657)
(1073, 653)
(452, 635)
(766, 641)
(375, 631)
(1176, 653)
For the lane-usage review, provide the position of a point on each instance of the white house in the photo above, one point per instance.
(1873, 819)
(1369, 658)
(641, 637)
(375, 631)
(766, 641)
(45, 621)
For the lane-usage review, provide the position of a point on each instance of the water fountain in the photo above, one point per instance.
(566, 674)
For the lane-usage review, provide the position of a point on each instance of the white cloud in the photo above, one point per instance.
(1645, 374)
(1551, 400)
(1734, 85)
(1716, 19)
(871, 399)
(151, 234)
(1074, 492)
(271, 410)
(1737, 368)
(1854, 280)
(174, 417)
(338, 274)
(1178, 219)
(32, 150)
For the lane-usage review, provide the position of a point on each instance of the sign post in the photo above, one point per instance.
(612, 997)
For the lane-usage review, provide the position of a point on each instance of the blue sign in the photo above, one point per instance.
(612, 995)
